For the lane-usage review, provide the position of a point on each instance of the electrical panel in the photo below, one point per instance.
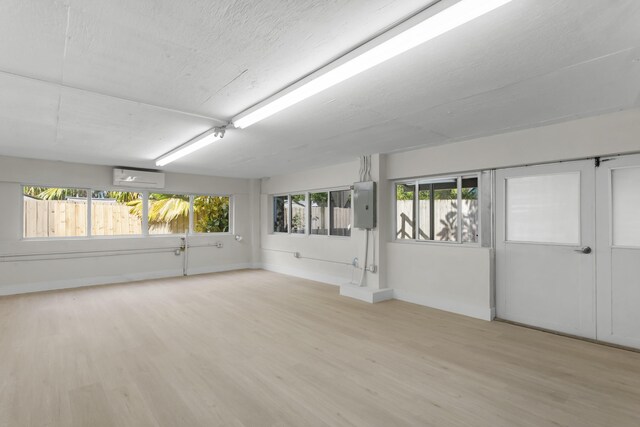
(364, 205)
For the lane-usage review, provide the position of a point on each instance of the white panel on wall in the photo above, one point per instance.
(543, 209)
(626, 206)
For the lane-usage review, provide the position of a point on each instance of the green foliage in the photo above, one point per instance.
(404, 192)
(211, 214)
(297, 223)
(123, 196)
(44, 193)
(320, 199)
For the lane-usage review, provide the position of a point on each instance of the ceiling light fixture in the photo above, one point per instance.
(432, 27)
(192, 145)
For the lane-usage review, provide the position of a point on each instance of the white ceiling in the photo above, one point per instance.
(121, 82)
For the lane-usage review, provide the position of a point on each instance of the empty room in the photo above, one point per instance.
(320, 213)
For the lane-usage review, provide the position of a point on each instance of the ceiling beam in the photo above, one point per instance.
(118, 98)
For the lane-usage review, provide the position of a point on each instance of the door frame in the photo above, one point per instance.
(588, 239)
(605, 247)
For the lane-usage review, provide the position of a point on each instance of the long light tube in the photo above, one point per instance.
(434, 26)
(192, 145)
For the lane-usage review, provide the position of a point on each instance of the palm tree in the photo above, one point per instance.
(44, 193)
(211, 212)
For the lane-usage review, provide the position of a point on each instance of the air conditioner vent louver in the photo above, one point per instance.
(137, 178)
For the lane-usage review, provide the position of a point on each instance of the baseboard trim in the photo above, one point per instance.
(445, 305)
(365, 294)
(220, 268)
(25, 288)
(322, 278)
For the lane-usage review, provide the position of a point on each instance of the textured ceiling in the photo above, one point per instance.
(120, 82)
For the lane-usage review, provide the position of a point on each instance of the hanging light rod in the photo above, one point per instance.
(362, 59)
(192, 145)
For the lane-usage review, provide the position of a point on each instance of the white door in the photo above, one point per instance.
(618, 250)
(545, 232)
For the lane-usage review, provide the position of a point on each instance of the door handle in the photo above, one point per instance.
(584, 250)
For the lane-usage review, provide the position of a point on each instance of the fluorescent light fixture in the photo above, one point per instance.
(192, 145)
(434, 26)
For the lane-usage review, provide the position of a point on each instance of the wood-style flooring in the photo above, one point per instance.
(254, 348)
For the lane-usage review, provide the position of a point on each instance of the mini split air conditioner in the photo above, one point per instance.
(137, 178)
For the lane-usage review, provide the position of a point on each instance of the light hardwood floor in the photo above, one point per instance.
(254, 348)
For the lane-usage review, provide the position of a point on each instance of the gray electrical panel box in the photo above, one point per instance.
(364, 205)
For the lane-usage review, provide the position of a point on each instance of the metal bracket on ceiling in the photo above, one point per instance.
(219, 131)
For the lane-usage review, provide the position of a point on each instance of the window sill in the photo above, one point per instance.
(436, 243)
(313, 236)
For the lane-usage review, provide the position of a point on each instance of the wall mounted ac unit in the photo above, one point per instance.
(137, 178)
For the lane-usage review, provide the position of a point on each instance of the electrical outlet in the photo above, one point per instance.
(296, 254)
(218, 245)
(373, 268)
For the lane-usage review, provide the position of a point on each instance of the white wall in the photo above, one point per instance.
(46, 264)
(460, 279)
(449, 277)
(277, 249)
(614, 133)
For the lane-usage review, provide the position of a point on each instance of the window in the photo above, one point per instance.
(281, 214)
(438, 209)
(543, 208)
(626, 205)
(340, 212)
(470, 210)
(319, 213)
(445, 210)
(405, 195)
(63, 212)
(54, 212)
(211, 214)
(168, 213)
(298, 213)
(116, 213)
(322, 213)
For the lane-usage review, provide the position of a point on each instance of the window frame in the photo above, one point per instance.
(316, 235)
(307, 195)
(273, 219)
(430, 179)
(55, 238)
(306, 212)
(145, 213)
(166, 192)
(335, 190)
(192, 197)
(144, 219)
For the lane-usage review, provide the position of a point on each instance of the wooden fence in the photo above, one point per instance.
(54, 218)
(109, 218)
(68, 218)
(320, 219)
(444, 211)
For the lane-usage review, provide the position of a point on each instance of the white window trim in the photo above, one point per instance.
(273, 230)
(429, 179)
(306, 218)
(307, 232)
(145, 214)
(350, 213)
